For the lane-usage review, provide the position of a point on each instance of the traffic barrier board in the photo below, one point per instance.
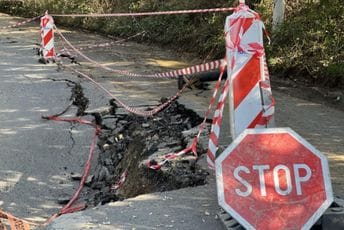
(47, 34)
(251, 104)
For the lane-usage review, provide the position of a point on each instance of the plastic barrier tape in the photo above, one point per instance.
(148, 13)
(153, 164)
(170, 74)
(21, 23)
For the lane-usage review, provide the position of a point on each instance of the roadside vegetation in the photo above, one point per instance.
(308, 46)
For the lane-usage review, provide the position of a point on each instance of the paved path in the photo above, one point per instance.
(189, 208)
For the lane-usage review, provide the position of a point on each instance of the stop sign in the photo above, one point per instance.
(273, 179)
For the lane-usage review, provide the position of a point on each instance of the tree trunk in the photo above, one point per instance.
(278, 13)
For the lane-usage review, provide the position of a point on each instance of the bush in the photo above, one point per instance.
(309, 45)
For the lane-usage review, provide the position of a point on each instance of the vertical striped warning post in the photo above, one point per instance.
(248, 84)
(250, 99)
(47, 34)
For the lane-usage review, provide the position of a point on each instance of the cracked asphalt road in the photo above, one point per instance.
(36, 156)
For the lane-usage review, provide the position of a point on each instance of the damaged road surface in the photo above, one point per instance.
(128, 142)
(36, 156)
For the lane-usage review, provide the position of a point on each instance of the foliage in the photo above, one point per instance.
(309, 45)
(197, 33)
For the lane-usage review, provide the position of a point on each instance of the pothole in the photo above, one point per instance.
(128, 140)
(78, 99)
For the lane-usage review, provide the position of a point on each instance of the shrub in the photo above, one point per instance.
(309, 45)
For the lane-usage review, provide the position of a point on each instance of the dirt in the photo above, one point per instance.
(78, 99)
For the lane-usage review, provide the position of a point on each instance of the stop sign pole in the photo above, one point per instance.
(273, 179)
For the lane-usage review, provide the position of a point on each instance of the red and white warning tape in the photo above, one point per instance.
(267, 114)
(67, 52)
(153, 164)
(87, 168)
(130, 109)
(68, 207)
(120, 181)
(108, 44)
(148, 13)
(171, 74)
(21, 23)
(216, 126)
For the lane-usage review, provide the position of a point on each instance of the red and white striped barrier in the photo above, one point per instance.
(248, 84)
(196, 11)
(216, 127)
(250, 98)
(47, 34)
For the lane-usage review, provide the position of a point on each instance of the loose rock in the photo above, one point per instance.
(133, 140)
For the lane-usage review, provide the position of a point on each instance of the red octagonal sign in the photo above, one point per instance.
(273, 179)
